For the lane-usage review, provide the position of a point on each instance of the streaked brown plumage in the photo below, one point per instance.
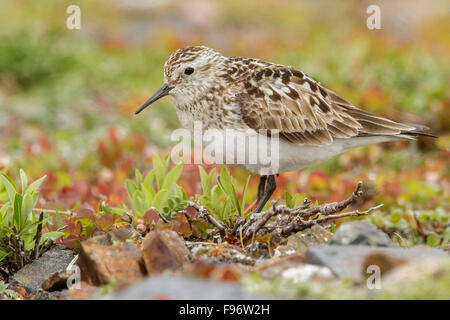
(313, 122)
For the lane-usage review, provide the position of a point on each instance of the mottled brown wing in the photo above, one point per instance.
(304, 111)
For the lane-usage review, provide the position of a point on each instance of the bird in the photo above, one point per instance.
(309, 122)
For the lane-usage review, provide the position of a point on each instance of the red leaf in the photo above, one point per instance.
(105, 221)
(85, 214)
(151, 217)
(231, 239)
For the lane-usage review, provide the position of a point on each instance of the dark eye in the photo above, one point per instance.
(189, 70)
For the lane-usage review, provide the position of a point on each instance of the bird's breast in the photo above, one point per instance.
(211, 114)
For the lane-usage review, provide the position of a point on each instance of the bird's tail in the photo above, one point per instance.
(374, 125)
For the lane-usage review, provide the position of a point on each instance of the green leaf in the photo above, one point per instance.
(333, 228)
(433, 240)
(9, 186)
(148, 181)
(244, 194)
(138, 175)
(225, 183)
(23, 179)
(159, 168)
(160, 198)
(206, 180)
(27, 207)
(17, 213)
(446, 237)
(172, 177)
(58, 219)
(138, 201)
(51, 235)
(289, 199)
(131, 188)
(4, 253)
(148, 195)
(35, 185)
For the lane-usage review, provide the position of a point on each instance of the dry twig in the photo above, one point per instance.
(206, 215)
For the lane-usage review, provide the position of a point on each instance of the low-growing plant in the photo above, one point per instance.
(5, 291)
(221, 199)
(408, 228)
(158, 190)
(20, 227)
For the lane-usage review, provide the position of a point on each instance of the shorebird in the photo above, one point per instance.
(312, 123)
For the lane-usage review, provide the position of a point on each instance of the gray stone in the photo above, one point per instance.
(307, 272)
(299, 242)
(361, 233)
(33, 275)
(180, 288)
(349, 261)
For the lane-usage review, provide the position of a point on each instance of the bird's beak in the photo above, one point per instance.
(161, 92)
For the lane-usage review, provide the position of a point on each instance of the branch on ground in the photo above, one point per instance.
(281, 221)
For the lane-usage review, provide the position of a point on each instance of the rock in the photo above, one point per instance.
(120, 232)
(32, 276)
(298, 243)
(179, 288)
(223, 252)
(432, 268)
(101, 263)
(214, 271)
(307, 272)
(292, 268)
(45, 295)
(112, 256)
(258, 250)
(273, 268)
(86, 291)
(124, 231)
(285, 250)
(56, 282)
(348, 261)
(164, 250)
(361, 232)
(384, 261)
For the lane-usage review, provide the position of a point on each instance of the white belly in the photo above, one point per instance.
(262, 155)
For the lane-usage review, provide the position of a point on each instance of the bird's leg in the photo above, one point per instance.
(261, 187)
(270, 186)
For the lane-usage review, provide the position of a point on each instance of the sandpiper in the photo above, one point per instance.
(312, 123)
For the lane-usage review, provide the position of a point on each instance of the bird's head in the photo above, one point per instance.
(188, 73)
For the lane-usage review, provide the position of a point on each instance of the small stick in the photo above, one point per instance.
(204, 213)
(162, 217)
(301, 224)
(259, 223)
(237, 224)
(37, 237)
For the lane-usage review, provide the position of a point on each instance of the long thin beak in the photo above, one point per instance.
(161, 92)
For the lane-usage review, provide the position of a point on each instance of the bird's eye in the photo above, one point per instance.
(189, 70)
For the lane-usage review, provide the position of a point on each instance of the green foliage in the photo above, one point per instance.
(16, 213)
(28, 63)
(292, 201)
(409, 228)
(221, 199)
(158, 190)
(6, 292)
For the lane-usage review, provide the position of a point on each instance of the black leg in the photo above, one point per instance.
(261, 187)
(270, 187)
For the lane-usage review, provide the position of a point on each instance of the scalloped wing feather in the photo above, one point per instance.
(306, 112)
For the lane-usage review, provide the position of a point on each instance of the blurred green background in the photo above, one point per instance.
(67, 97)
